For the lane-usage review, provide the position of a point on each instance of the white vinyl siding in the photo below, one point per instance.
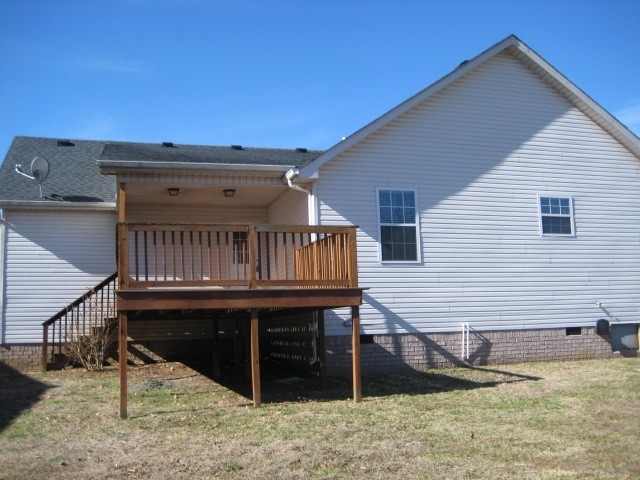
(291, 208)
(168, 213)
(478, 154)
(51, 259)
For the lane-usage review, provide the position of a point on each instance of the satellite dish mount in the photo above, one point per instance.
(39, 171)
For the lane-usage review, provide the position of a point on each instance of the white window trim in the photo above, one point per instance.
(571, 214)
(417, 226)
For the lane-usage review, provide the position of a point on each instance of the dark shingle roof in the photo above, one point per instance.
(205, 154)
(75, 176)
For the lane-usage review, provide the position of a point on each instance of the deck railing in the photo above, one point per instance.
(252, 256)
(95, 309)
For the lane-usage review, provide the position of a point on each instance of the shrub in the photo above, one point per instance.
(88, 349)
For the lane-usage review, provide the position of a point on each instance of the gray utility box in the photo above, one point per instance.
(624, 337)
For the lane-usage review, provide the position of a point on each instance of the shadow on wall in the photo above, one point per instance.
(435, 354)
(18, 393)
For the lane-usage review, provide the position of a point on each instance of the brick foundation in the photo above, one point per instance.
(21, 357)
(383, 353)
(435, 350)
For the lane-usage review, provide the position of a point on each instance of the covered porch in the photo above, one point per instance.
(252, 267)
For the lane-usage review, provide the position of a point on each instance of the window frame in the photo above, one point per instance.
(240, 248)
(415, 224)
(570, 216)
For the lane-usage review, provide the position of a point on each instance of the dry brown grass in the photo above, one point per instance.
(538, 421)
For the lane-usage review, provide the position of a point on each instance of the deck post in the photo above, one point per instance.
(353, 257)
(355, 352)
(255, 359)
(123, 284)
(122, 360)
(252, 243)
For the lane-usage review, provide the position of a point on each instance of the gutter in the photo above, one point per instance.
(112, 167)
(45, 205)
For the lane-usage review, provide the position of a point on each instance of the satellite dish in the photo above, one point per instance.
(39, 171)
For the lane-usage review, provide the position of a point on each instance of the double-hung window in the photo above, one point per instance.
(556, 215)
(398, 225)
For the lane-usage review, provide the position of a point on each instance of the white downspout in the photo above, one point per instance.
(291, 175)
(312, 205)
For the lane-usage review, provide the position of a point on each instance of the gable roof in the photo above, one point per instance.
(76, 177)
(520, 50)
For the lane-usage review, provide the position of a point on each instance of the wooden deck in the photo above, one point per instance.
(211, 298)
(250, 267)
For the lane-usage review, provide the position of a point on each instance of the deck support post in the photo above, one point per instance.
(255, 358)
(122, 360)
(122, 254)
(355, 352)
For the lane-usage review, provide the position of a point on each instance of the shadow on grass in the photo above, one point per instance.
(289, 385)
(18, 393)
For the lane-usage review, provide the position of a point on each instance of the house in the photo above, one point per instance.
(497, 214)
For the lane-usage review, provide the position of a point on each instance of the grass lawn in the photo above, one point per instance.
(537, 420)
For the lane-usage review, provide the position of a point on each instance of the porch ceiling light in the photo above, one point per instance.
(229, 192)
(173, 192)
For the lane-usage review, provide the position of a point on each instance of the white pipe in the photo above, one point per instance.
(467, 357)
(464, 353)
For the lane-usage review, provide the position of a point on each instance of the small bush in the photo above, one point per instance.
(89, 349)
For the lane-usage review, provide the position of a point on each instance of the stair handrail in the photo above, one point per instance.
(69, 308)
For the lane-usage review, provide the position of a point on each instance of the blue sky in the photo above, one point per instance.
(279, 73)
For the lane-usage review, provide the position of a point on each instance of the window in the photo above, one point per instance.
(240, 248)
(556, 216)
(398, 225)
(573, 331)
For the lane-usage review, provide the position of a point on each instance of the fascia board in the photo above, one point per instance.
(580, 99)
(113, 167)
(44, 205)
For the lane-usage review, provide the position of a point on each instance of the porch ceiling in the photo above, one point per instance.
(204, 195)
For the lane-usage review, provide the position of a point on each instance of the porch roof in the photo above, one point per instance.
(116, 153)
(77, 167)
